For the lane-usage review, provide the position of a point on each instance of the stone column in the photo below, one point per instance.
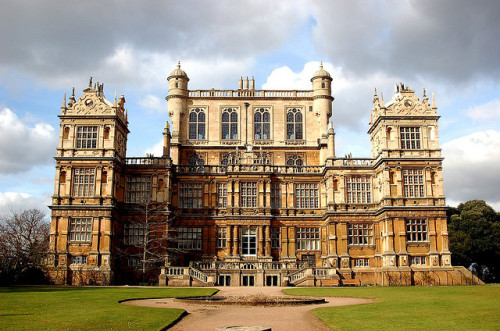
(268, 240)
(260, 247)
(229, 241)
(284, 241)
(291, 239)
(236, 240)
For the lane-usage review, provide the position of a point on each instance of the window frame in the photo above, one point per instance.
(133, 233)
(190, 195)
(358, 189)
(189, 238)
(360, 234)
(232, 123)
(417, 230)
(249, 194)
(197, 126)
(294, 127)
(413, 183)
(82, 141)
(83, 183)
(410, 137)
(78, 227)
(308, 238)
(275, 238)
(222, 237)
(138, 189)
(222, 195)
(262, 123)
(307, 195)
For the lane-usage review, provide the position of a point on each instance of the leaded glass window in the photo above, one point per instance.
(294, 124)
(262, 126)
(197, 123)
(229, 123)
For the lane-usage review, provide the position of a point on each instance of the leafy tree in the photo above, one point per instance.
(474, 233)
(24, 242)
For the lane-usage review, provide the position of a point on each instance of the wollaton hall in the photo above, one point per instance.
(249, 191)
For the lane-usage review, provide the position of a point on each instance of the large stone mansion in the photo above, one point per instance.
(249, 191)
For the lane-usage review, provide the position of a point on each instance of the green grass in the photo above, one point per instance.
(87, 308)
(412, 308)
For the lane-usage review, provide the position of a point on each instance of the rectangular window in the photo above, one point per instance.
(275, 238)
(362, 263)
(190, 195)
(80, 259)
(83, 182)
(416, 230)
(138, 189)
(189, 238)
(133, 233)
(418, 260)
(134, 261)
(360, 234)
(413, 180)
(248, 194)
(359, 189)
(86, 137)
(410, 138)
(308, 239)
(306, 195)
(275, 195)
(222, 195)
(80, 229)
(221, 237)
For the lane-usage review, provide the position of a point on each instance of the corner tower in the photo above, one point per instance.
(322, 96)
(177, 106)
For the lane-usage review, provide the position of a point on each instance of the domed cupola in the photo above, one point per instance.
(178, 73)
(321, 73)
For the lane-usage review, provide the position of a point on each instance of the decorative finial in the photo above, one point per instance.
(90, 82)
(64, 101)
(114, 102)
(375, 93)
(381, 99)
(433, 101)
(73, 93)
(424, 93)
(321, 65)
(178, 64)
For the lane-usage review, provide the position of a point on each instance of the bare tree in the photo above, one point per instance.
(148, 238)
(24, 242)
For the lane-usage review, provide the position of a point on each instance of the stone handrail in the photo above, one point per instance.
(198, 274)
(175, 271)
(250, 93)
(223, 169)
(140, 161)
(298, 275)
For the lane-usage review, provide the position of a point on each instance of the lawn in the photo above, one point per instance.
(87, 308)
(412, 308)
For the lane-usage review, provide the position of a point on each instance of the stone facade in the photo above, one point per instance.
(249, 191)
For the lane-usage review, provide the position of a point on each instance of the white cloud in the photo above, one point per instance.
(14, 201)
(471, 167)
(154, 103)
(156, 149)
(485, 111)
(23, 147)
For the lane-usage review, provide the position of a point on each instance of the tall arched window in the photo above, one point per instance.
(294, 124)
(262, 126)
(229, 123)
(197, 123)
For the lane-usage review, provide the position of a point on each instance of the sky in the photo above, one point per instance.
(448, 47)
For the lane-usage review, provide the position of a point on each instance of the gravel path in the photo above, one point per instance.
(209, 317)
